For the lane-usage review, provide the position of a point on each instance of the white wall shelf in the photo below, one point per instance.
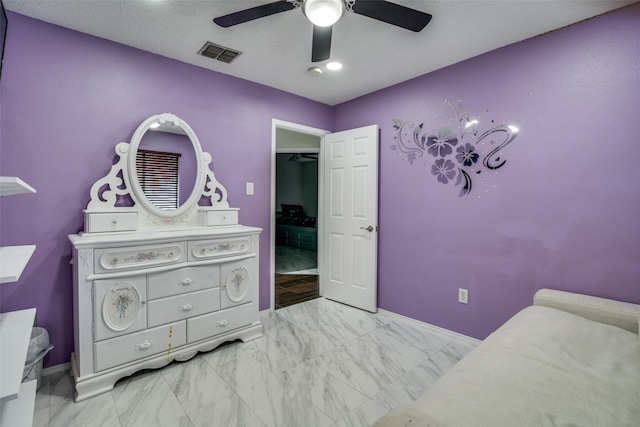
(13, 260)
(19, 412)
(10, 185)
(17, 399)
(15, 334)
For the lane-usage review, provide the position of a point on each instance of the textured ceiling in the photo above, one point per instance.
(277, 49)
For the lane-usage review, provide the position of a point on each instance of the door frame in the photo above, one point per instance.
(281, 124)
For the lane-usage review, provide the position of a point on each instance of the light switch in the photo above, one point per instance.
(249, 188)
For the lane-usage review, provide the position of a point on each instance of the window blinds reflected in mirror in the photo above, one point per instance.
(158, 177)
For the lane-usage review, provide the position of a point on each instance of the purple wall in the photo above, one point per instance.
(68, 99)
(565, 210)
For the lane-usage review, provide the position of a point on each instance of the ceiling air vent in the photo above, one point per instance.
(221, 53)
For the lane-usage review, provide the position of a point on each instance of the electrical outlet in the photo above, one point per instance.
(463, 296)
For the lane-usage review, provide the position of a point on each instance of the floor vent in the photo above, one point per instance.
(221, 53)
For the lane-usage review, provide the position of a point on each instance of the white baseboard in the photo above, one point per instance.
(429, 325)
(410, 320)
(56, 369)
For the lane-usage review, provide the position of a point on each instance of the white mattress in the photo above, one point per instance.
(544, 367)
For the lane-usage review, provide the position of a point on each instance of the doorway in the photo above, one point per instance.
(296, 254)
(347, 236)
(296, 214)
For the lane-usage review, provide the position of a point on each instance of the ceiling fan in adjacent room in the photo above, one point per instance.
(324, 13)
(295, 157)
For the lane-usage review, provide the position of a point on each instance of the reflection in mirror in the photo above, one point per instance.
(166, 165)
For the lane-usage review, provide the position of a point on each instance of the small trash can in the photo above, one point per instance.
(38, 348)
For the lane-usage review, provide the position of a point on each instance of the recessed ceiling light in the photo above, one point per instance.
(334, 66)
(314, 71)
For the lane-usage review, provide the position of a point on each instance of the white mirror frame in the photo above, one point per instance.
(103, 215)
(196, 192)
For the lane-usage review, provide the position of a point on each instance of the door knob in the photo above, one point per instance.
(369, 228)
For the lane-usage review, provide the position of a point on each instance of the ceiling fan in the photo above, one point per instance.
(297, 157)
(324, 13)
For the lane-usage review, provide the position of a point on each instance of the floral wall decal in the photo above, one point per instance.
(454, 146)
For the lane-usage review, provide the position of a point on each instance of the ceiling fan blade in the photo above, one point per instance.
(253, 13)
(394, 14)
(321, 49)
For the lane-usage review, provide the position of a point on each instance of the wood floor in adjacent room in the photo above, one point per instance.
(295, 288)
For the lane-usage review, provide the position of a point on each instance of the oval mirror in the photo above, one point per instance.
(164, 167)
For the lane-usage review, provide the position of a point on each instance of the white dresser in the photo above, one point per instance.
(153, 285)
(144, 299)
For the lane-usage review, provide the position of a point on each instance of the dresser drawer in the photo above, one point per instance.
(308, 245)
(183, 280)
(130, 258)
(213, 217)
(207, 249)
(201, 327)
(180, 307)
(308, 235)
(116, 221)
(128, 348)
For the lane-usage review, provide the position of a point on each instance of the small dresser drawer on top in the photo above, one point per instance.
(120, 350)
(214, 217)
(180, 307)
(105, 222)
(188, 279)
(202, 327)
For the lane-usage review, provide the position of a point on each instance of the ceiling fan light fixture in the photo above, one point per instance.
(323, 13)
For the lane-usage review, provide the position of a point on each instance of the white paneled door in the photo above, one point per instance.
(350, 236)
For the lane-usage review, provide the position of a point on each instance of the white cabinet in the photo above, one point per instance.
(297, 236)
(16, 399)
(142, 300)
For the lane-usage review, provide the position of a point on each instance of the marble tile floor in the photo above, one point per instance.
(319, 363)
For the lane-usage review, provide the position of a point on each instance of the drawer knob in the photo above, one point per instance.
(143, 346)
(114, 222)
(222, 323)
(186, 307)
(185, 282)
